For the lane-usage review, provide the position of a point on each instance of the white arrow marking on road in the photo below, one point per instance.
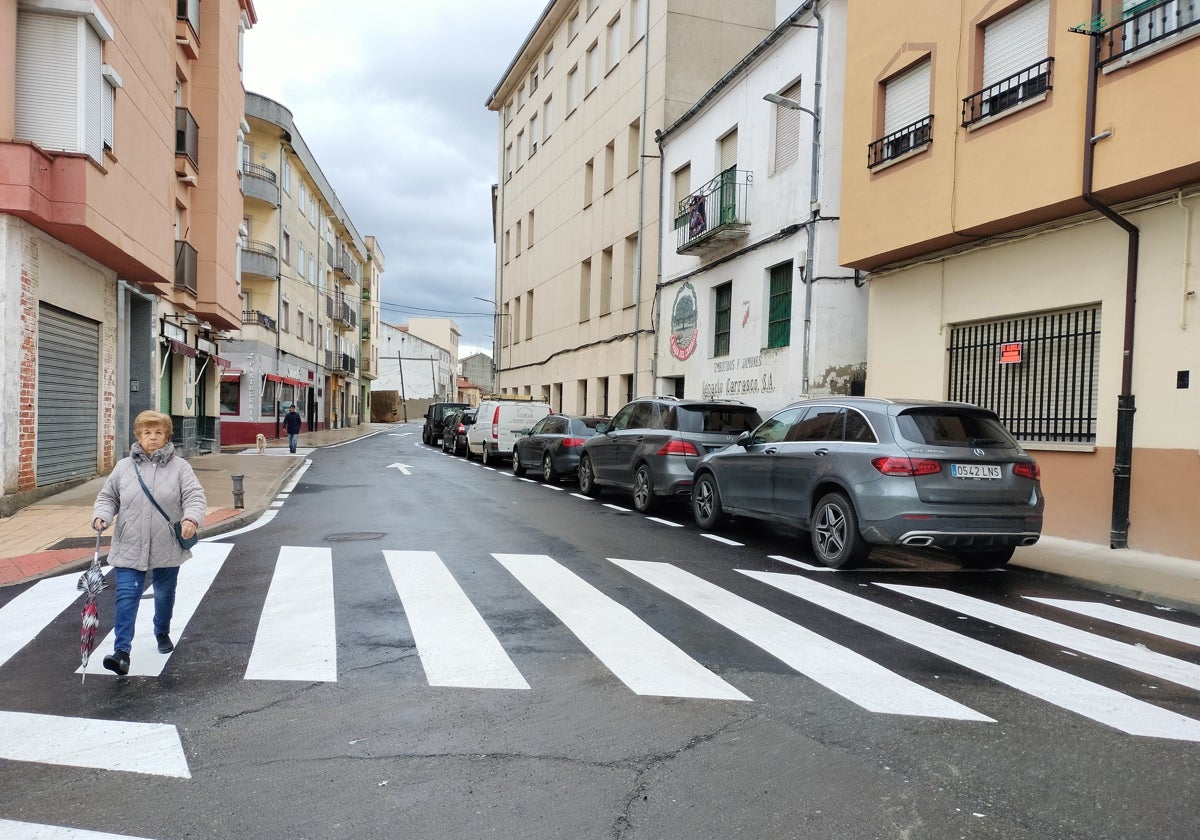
(152, 748)
(404, 468)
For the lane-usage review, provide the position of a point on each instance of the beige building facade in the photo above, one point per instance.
(577, 197)
(1021, 182)
(119, 214)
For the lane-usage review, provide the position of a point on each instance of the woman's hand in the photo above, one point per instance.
(187, 528)
(99, 524)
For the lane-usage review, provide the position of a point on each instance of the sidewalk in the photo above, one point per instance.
(55, 534)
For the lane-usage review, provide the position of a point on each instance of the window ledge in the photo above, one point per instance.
(1050, 446)
(1007, 112)
(913, 152)
(1151, 50)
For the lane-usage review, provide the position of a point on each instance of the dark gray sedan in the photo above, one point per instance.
(551, 448)
(856, 471)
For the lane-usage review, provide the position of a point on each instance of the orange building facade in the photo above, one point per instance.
(120, 207)
(1020, 183)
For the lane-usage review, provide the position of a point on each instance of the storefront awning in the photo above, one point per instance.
(230, 375)
(286, 380)
(219, 362)
(181, 348)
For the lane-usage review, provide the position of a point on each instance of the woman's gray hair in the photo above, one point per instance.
(153, 418)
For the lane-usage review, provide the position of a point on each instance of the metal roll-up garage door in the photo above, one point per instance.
(68, 396)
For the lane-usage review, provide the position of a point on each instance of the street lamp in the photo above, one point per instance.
(776, 99)
(496, 343)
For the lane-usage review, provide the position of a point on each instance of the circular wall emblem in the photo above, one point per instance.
(684, 334)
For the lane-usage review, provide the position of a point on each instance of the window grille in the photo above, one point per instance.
(724, 306)
(779, 324)
(1039, 372)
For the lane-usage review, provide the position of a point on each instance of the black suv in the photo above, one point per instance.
(435, 420)
(653, 445)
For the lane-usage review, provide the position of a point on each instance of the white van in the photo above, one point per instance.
(498, 424)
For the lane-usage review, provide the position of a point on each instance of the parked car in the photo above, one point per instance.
(498, 424)
(435, 420)
(454, 432)
(653, 445)
(551, 448)
(856, 472)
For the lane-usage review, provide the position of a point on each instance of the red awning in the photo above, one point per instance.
(230, 375)
(286, 380)
(219, 362)
(180, 347)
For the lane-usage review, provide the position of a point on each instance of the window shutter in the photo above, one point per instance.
(92, 82)
(787, 130)
(47, 105)
(906, 98)
(1016, 41)
(729, 150)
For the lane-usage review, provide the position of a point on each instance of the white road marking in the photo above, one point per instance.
(352, 440)
(151, 748)
(799, 565)
(195, 578)
(266, 517)
(530, 480)
(645, 661)
(456, 646)
(296, 638)
(12, 830)
(721, 540)
(617, 507)
(1119, 653)
(839, 669)
(1185, 633)
(664, 522)
(26, 615)
(1096, 702)
(553, 487)
(582, 496)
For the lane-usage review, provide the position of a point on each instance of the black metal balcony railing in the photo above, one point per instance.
(329, 359)
(185, 267)
(261, 319)
(715, 213)
(255, 246)
(187, 135)
(1145, 24)
(189, 10)
(347, 363)
(900, 142)
(1008, 93)
(256, 170)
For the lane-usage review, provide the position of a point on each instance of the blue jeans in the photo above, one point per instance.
(293, 439)
(131, 583)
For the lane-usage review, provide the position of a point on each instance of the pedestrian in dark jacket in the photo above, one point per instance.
(144, 541)
(291, 425)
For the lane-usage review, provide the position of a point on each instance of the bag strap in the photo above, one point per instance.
(146, 490)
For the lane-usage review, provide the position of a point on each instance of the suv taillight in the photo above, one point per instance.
(906, 466)
(1027, 470)
(678, 447)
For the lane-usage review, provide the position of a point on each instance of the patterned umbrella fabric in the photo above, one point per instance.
(91, 582)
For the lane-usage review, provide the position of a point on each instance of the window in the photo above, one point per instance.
(62, 92)
(530, 228)
(266, 406)
(775, 429)
(529, 315)
(633, 150)
(286, 247)
(682, 181)
(585, 290)
(630, 277)
(507, 245)
(231, 395)
(1015, 63)
(906, 120)
(572, 26)
(613, 42)
(517, 239)
(593, 67)
(589, 175)
(723, 306)
(592, 5)
(820, 423)
(508, 112)
(779, 307)
(286, 178)
(312, 330)
(787, 130)
(548, 59)
(312, 211)
(533, 81)
(1038, 372)
(284, 315)
(112, 82)
(637, 14)
(610, 163)
(302, 200)
(533, 135)
(520, 97)
(519, 144)
(302, 261)
(508, 161)
(300, 324)
(547, 118)
(572, 89)
(729, 150)
(606, 260)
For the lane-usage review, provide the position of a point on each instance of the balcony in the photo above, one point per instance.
(187, 27)
(259, 260)
(259, 183)
(1149, 24)
(344, 267)
(187, 142)
(340, 311)
(259, 319)
(1028, 86)
(911, 138)
(185, 267)
(716, 215)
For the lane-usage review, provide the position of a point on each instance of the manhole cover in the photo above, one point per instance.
(354, 536)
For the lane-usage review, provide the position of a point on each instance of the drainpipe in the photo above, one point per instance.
(1126, 407)
(637, 258)
(814, 200)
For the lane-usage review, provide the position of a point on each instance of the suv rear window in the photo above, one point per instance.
(725, 420)
(951, 427)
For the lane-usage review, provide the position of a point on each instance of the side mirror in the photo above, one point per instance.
(745, 439)
(525, 432)
(601, 428)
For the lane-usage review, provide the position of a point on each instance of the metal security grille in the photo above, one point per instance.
(779, 315)
(68, 396)
(1039, 373)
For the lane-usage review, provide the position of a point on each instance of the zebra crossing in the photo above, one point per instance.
(296, 635)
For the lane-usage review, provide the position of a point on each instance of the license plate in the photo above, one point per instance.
(982, 471)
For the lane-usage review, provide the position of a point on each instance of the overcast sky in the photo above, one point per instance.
(390, 96)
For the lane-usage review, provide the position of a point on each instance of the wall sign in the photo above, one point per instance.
(685, 333)
(1010, 353)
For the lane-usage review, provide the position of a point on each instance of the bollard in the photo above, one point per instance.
(238, 493)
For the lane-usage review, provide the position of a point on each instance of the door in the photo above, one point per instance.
(803, 459)
(744, 478)
(68, 396)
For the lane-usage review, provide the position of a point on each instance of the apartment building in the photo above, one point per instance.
(1020, 184)
(368, 369)
(576, 200)
(302, 268)
(419, 369)
(477, 368)
(119, 214)
(752, 303)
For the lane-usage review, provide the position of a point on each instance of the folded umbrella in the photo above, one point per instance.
(91, 582)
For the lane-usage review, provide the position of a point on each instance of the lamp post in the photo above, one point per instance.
(496, 343)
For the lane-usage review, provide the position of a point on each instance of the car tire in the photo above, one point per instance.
(470, 454)
(587, 478)
(483, 456)
(836, 540)
(517, 469)
(549, 474)
(985, 558)
(644, 499)
(706, 503)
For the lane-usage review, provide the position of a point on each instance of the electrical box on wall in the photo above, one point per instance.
(1182, 378)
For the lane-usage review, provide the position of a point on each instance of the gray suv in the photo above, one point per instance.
(856, 471)
(653, 444)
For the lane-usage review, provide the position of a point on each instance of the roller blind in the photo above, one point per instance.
(906, 98)
(1016, 41)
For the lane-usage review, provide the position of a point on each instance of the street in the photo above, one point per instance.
(418, 646)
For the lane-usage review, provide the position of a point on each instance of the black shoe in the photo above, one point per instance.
(118, 662)
(164, 642)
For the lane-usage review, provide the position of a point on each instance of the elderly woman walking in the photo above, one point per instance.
(159, 501)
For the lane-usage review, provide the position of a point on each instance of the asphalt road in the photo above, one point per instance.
(417, 646)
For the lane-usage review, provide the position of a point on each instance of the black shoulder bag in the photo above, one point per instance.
(176, 527)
